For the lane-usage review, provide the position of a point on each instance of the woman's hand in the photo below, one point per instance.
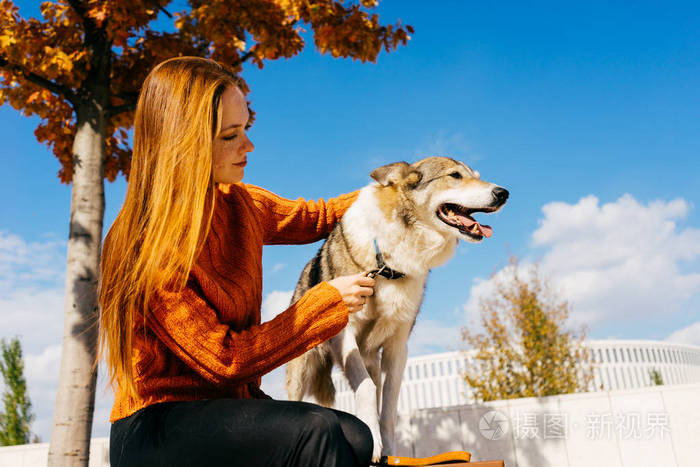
(354, 289)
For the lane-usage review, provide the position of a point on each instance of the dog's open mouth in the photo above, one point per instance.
(461, 218)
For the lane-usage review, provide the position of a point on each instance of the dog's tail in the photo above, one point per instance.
(311, 374)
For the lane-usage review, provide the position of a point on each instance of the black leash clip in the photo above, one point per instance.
(374, 272)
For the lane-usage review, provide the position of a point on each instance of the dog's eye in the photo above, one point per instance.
(456, 175)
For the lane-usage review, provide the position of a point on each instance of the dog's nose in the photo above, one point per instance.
(501, 194)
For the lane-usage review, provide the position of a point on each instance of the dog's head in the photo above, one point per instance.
(440, 192)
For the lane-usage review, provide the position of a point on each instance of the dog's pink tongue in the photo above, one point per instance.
(468, 223)
(486, 230)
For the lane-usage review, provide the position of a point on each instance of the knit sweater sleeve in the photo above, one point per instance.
(300, 221)
(191, 329)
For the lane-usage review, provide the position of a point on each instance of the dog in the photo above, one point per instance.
(400, 227)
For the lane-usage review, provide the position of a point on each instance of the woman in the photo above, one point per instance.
(181, 288)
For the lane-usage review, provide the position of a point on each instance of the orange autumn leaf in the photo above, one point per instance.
(33, 96)
(57, 52)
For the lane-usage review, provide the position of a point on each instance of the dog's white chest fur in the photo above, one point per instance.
(395, 304)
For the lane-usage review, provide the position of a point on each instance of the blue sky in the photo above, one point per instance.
(588, 110)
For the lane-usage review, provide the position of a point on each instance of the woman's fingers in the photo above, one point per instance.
(354, 289)
(365, 281)
(366, 285)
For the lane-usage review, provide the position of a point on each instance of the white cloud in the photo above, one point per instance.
(43, 368)
(31, 299)
(41, 373)
(33, 315)
(447, 144)
(616, 261)
(273, 384)
(429, 336)
(278, 267)
(688, 335)
(32, 281)
(276, 302)
(104, 400)
(34, 261)
(482, 288)
(32, 277)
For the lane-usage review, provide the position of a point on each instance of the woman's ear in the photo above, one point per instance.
(390, 174)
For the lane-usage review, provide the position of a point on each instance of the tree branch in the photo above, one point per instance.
(245, 56)
(89, 23)
(76, 5)
(127, 96)
(165, 11)
(114, 110)
(63, 91)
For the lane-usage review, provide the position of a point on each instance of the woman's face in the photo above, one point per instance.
(231, 146)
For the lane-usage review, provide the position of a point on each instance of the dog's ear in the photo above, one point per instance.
(390, 174)
(413, 178)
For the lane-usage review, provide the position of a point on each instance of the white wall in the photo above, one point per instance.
(649, 427)
(36, 455)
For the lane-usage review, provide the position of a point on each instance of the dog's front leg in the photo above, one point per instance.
(347, 355)
(394, 354)
(372, 364)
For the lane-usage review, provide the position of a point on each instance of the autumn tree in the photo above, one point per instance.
(79, 69)
(525, 349)
(15, 416)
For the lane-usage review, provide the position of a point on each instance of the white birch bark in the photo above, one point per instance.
(75, 399)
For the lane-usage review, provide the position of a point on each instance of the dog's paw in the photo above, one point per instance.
(366, 403)
(376, 439)
(377, 451)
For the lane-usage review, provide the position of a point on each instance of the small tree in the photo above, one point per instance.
(524, 350)
(656, 378)
(16, 417)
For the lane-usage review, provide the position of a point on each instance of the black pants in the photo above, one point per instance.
(240, 432)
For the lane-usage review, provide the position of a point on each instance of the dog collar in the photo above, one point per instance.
(382, 268)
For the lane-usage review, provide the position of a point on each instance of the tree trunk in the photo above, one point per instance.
(75, 399)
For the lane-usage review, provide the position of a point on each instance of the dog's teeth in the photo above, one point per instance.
(475, 229)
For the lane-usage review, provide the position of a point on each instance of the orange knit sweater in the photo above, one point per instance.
(207, 341)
